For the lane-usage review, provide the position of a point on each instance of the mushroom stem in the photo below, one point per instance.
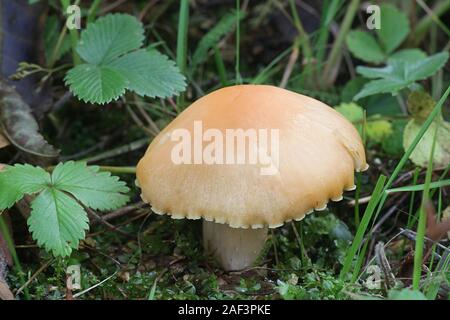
(234, 248)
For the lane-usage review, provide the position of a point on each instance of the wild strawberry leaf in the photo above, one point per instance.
(399, 74)
(58, 220)
(114, 63)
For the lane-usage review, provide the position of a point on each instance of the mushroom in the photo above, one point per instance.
(312, 161)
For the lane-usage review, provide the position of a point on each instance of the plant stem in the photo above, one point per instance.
(220, 66)
(238, 41)
(426, 22)
(93, 11)
(421, 228)
(112, 169)
(182, 40)
(73, 33)
(336, 51)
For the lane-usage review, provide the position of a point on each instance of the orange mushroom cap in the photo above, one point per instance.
(318, 152)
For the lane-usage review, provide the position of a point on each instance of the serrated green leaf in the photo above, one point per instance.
(425, 68)
(110, 37)
(96, 84)
(399, 74)
(18, 180)
(421, 153)
(380, 86)
(110, 46)
(149, 73)
(96, 190)
(394, 27)
(209, 40)
(364, 46)
(57, 222)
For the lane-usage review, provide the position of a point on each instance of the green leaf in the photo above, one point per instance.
(114, 63)
(364, 46)
(394, 27)
(96, 84)
(408, 55)
(421, 153)
(380, 86)
(210, 40)
(351, 111)
(425, 68)
(149, 73)
(18, 180)
(51, 34)
(110, 37)
(97, 190)
(399, 74)
(57, 222)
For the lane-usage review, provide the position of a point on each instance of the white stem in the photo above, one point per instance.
(234, 248)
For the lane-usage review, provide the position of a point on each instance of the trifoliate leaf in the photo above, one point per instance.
(57, 222)
(114, 62)
(364, 46)
(378, 129)
(392, 19)
(421, 153)
(96, 190)
(399, 74)
(19, 180)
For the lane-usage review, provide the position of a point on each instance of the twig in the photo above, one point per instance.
(107, 224)
(38, 272)
(120, 212)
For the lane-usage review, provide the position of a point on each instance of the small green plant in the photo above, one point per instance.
(115, 62)
(58, 219)
(366, 47)
(403, 68)
(400, 73)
